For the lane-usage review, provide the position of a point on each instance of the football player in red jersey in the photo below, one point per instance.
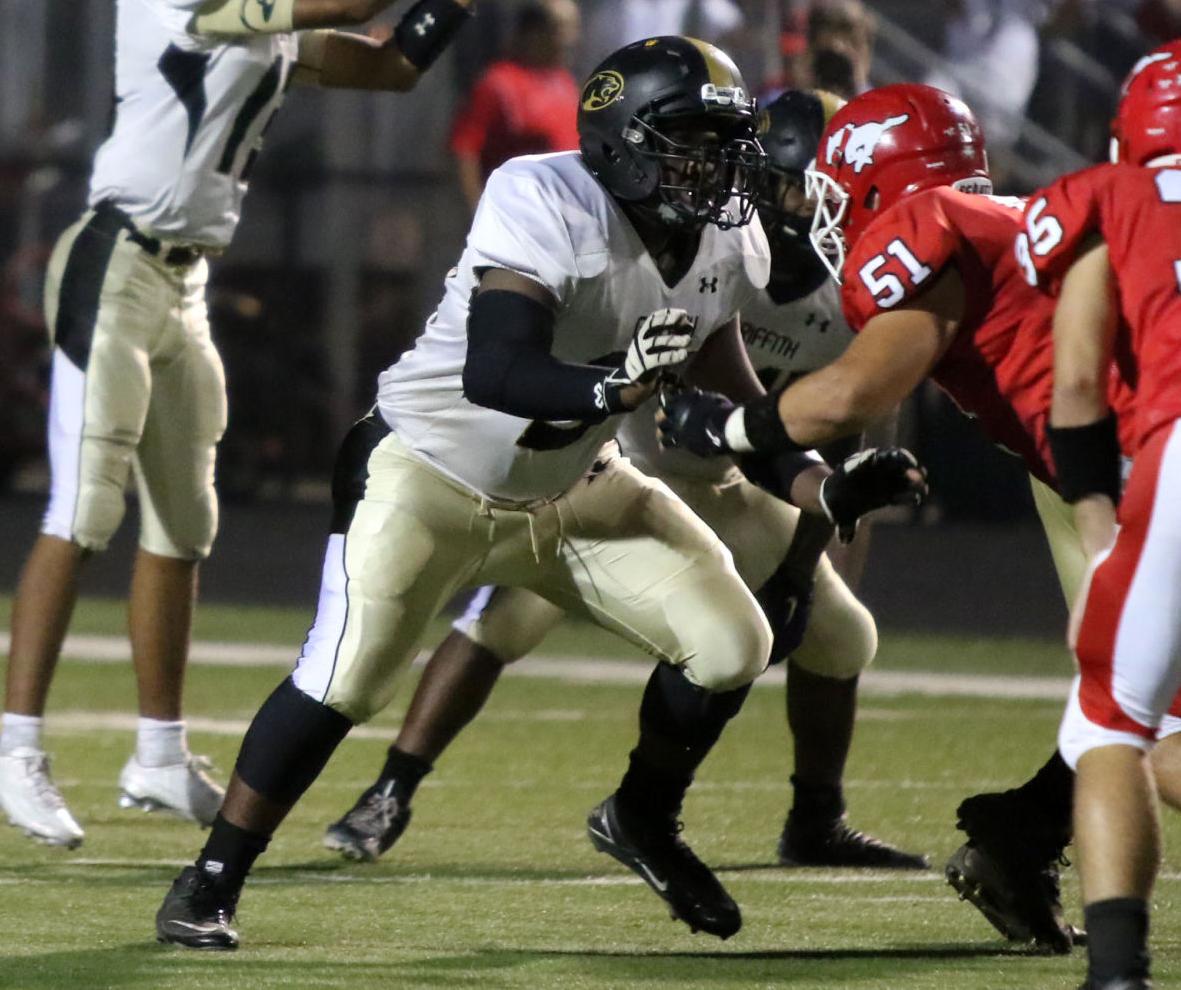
(932, 286)
(1109, 239)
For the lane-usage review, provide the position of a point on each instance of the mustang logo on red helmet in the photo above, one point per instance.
(860, 141)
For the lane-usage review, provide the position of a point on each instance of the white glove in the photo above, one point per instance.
(660, 340)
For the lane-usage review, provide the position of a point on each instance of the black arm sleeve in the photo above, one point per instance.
(775, 473)
(509, 366)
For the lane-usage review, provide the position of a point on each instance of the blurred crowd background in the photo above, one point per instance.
(359, 203)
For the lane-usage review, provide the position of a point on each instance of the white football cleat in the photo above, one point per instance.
(32, 801)
(182, 789)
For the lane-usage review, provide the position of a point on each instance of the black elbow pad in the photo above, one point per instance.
(501, 327)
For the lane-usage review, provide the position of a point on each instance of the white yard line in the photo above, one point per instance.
(771, 874)
(592, 670)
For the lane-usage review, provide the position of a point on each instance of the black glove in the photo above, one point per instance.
(868, 481)
(694, 421)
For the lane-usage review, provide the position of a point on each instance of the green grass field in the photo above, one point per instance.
(495, 885)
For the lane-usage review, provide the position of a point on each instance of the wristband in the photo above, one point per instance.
(427, 28)
(756, 427)
(1086, 459)
(227, 18)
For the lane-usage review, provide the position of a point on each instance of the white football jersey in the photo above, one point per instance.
(546, 217)
(784, 341)
(189, 117)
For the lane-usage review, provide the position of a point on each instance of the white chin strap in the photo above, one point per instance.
(832, 203)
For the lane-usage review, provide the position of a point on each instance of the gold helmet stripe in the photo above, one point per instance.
(722, 70)
(830, 102)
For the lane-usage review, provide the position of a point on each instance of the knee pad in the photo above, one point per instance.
(841, 639)
(288, 743)
(509, 623)
(186, 535)
(729, 655)
(97, 515)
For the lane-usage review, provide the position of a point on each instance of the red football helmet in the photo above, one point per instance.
(883, 145)
(1147, 123)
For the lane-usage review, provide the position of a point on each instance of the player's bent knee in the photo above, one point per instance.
(841, 640)
(509, 623)
(730, 647)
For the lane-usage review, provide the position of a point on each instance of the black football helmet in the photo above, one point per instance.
(667, 124)
(789, 131)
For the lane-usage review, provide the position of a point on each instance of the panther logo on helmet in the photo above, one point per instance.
(861, 141)
(601, 90)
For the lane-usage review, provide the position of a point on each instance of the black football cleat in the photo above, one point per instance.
(1008, 870)
(832, 842)
(1123, 983)
(371, 826)
(197, 912)
(653, 849)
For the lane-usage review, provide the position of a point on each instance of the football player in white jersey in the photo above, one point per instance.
(791, 327)
(137, 384)
(489, 459)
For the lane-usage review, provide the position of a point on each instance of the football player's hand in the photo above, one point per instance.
(694, 421)
(661, 340)
(870, 480)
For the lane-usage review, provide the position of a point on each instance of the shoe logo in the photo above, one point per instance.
(205, 928)
(660, 886)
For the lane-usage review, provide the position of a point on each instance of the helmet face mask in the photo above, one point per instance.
(703, 176)
(826, 234)
(667, 127)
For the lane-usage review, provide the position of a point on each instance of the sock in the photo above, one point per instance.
(823, 802)
(1117, 939)
(159, 743)
(679, 724)
(648, 790)
(407, 771)
(20, 731)
(230, 852)
(1050, 792)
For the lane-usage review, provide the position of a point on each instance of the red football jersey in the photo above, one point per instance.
(999, 367)
(515, 110)
(1137, 211)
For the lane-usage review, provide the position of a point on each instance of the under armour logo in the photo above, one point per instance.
(708, 284)
(428, 21)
